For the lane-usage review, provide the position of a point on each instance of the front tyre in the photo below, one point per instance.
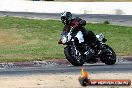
(108, 55)
(71, 57)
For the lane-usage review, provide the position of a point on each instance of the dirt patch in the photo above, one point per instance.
(56, 81)
(9, 38)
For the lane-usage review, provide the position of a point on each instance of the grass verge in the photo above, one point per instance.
(24, 39)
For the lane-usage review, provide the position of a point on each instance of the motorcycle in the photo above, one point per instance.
(99, 51)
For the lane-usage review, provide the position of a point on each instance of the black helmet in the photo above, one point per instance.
(66, 16)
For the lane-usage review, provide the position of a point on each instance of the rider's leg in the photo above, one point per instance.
(93, 40)
(79, 36)
(79, 43)
(89, 37)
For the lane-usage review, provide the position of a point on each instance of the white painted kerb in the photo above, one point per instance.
(122, 8)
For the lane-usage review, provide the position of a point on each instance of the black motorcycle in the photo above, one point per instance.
(99, 51)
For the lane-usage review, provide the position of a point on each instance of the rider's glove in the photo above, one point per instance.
(82, 23)
(60, 42)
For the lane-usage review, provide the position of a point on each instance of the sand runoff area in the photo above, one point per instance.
(57, 80)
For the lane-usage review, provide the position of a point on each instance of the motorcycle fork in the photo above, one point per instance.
(77, 53)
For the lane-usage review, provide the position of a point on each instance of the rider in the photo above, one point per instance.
(79, 33)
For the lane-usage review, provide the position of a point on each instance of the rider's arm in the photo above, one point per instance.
(66, 28)
(77, 22)
(82, 23)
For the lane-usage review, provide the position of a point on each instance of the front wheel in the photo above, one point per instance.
(108, 55)
(76, 60)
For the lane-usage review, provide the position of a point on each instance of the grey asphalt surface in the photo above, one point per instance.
(68, 69)
(123, 66)
(124, 20)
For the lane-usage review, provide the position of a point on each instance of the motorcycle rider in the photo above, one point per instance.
(79, 33)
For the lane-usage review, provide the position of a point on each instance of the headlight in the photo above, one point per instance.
(64, 39)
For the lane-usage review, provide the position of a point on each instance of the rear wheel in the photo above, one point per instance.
(72, 57)
(108, 55)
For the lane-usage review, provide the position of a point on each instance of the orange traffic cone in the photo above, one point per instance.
(84, 80)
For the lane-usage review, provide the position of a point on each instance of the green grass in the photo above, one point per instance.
(24, 39)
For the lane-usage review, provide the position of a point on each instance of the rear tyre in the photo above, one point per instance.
(70, 56)
(108, 55)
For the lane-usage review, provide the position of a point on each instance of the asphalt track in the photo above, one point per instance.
(124, 20)
(121, 66)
